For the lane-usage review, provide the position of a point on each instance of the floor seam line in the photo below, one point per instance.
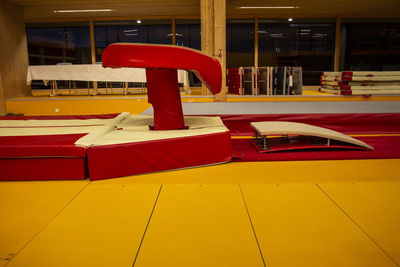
(252, 226)
(354, 222)
(147, 226)
(51, 220)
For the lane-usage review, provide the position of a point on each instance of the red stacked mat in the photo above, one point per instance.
(26, 155)
(361, 82)
(43, 157)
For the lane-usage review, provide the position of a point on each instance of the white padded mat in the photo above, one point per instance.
(135, 128)
(50, 127)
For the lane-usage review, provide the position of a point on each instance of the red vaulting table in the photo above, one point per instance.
(161, 63)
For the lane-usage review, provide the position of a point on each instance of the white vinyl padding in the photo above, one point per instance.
(135, 128)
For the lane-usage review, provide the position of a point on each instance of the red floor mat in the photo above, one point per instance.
(380, 123)
(353, 124)
(384, 148)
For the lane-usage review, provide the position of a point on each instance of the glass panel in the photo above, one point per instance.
(148, 31)
(372, 46)
(55, 43)
(239, 43)
(52, 45)
(188, 33)
(301, 43)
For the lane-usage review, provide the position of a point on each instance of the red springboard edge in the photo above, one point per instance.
(111, 161)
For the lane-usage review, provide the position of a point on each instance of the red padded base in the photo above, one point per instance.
(30, 169)
(111, 161)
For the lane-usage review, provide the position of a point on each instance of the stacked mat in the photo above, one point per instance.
(43, 147)
(265, 81)
(361, 82)
(105, 146)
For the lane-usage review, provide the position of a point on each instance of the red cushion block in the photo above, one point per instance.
(110, 161)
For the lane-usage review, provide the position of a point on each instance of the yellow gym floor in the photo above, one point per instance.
(298, 213)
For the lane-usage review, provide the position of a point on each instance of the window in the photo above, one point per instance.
(239, 43)
(305, 43)
(372, 46)
(50, 44)
(148, 31)
(55, 43)
(188, 33)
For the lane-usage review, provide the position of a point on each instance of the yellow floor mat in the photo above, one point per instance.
(199, 225)
(295, 224)
(274, 172)
(298, 225)
(375, 208)
(27, 207)
(103, 226)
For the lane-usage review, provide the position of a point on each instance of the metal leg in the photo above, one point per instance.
(125, 88)
(265, 143)
(258, 138)
(54, 88)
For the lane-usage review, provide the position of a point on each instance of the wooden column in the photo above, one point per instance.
(13, 53)
(92, 42)
(213, 37)
(337, 44)
(173, 31)
(2, 101)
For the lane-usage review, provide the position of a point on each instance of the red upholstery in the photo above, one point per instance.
(208, 69)
(60, 145)
(166, 103)
(42, 169)
(42, 157)
(60, 117)
(111, 161)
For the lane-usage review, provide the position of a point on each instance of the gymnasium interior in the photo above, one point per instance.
(200, 133)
